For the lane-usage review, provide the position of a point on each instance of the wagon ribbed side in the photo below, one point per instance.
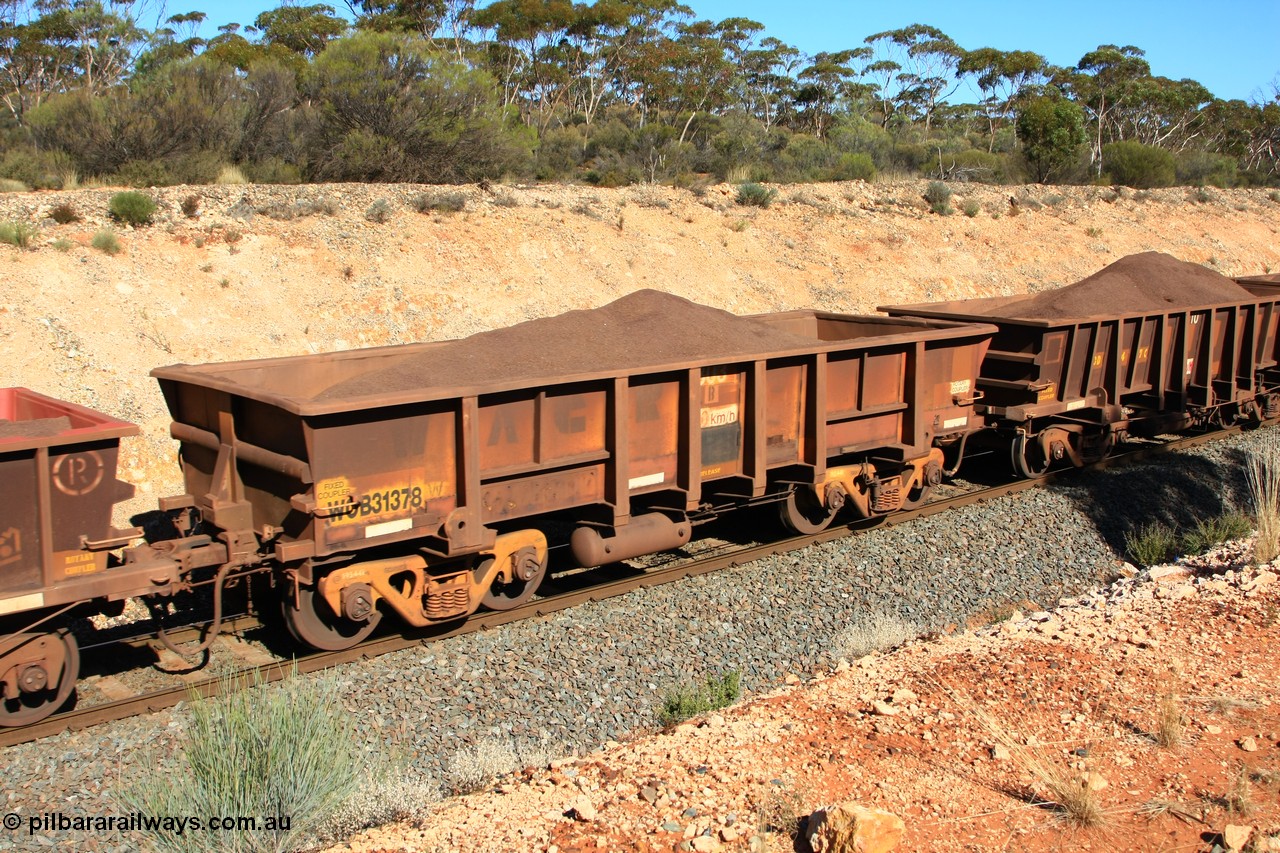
(413, 477)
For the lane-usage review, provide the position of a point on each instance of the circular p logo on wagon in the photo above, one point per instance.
(78, 473)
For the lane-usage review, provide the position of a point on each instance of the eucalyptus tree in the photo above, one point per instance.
(823, 84)
(769, 82)
(1002, 77)
(926, 60)
(1103, 81)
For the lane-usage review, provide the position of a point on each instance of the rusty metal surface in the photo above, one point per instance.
(58, 466)
(441, 468)
(1172, 361)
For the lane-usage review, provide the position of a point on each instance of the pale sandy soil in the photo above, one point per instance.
(1085, 685)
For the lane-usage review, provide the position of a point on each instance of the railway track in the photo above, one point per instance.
(566, 592)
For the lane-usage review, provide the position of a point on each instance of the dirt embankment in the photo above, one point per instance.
(268, 271)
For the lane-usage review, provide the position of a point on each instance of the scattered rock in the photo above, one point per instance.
(705, 844)
(1236, 836)
(583, 809)
(1170, 574)
(1248, 744)
(850, 826)
(883, 708)
(999, 752)
(1093, 781)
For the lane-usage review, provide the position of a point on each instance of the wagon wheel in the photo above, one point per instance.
(1028, 457)
(530, 572)
(802, 513)
(41, 699)
(311, 621)
(917, 495)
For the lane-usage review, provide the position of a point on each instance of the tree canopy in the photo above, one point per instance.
(610, 91)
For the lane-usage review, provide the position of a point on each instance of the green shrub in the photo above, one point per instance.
(17, 234)
(1274, 195)
(143, 173)
(62, 244)
(272, 751)
(854, 166)
(106, 241)
(1210, 532)
(1140, 166)
(690, 700)
(1152, 544)
(191, 206)
(971, 208)
(755, 195)
(273, 170)
(380, 211)
(439, 202)
(64, 214)
(938, 195)
(132, 208)
(981, 167)
(1198, 168)
(9, 185)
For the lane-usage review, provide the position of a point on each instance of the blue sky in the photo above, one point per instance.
(1230, 46)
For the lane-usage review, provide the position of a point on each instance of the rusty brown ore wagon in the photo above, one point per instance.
(421, 479)
(58, 469)
(1148, 345)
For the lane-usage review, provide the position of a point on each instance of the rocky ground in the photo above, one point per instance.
(1142, 716)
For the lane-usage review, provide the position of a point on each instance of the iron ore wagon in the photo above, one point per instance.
(1150, 344)
(432, 479)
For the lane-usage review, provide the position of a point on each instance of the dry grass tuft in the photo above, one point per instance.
(780, 811)
(231, 175)
(1239, 800)
(1263, 476)
(1061, 786)
(1171, 722)
(876, 632)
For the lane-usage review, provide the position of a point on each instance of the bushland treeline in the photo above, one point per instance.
(610, 92)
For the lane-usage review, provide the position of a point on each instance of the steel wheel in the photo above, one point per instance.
(917, 496)
(311, 621)
(506, 596)
(1028, 458)
(32, 706)
(801, 513)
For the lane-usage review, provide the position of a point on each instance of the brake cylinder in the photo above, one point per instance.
(645, 534)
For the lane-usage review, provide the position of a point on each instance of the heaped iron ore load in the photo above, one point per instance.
(1148, 345)
(422, 478)
(430, 480)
